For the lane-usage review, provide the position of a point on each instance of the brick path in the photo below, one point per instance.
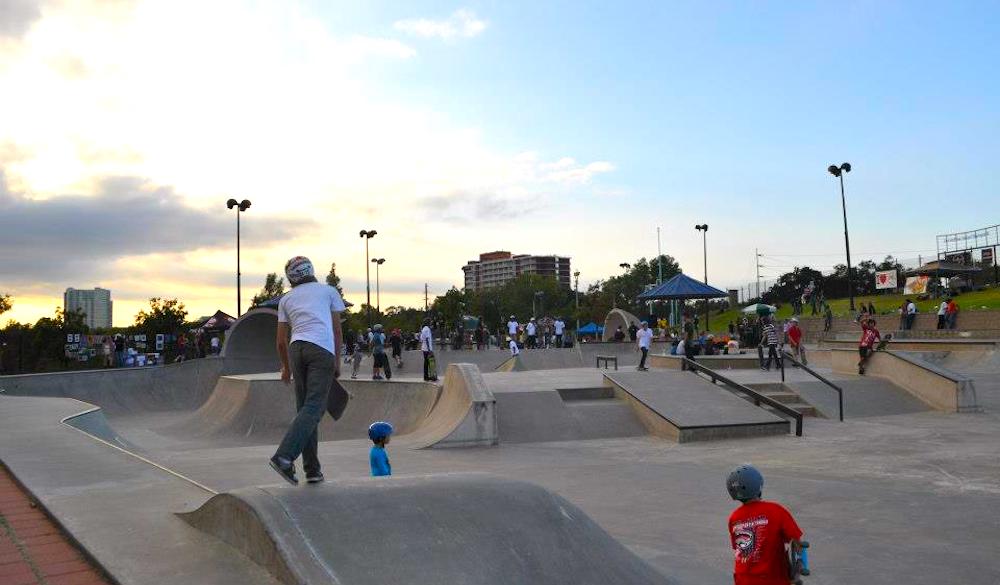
(32, 549)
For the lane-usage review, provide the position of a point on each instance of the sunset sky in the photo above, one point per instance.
(571, 128)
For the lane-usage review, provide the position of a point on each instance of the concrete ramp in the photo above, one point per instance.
(258, 408)
(462, 529)
(863, 397)
(686, 407)
(547, 359)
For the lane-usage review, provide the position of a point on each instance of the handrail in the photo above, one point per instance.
(757, 396)
(821, 378)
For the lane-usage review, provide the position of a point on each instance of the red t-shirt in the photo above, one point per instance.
(869, 336)
(795, 334)
(758, 532)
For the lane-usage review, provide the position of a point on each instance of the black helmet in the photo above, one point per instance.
(745, 483)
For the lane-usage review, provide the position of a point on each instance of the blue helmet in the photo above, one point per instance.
(745, 483)
(379, 430)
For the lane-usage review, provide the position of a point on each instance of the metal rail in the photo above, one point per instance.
(821, 378)
(757, 397)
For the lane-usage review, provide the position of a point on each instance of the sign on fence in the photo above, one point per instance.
(916, 285)
(885, 279)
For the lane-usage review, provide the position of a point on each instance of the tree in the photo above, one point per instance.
(164, 316)
(333, 280)
(5, 303)
(273, 287)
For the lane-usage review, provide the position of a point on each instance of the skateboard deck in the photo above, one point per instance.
(798, 563)
(336, 402)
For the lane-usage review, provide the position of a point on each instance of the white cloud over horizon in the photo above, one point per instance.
(462, 23)
(259, 101)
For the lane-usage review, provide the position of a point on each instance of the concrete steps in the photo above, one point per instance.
(785, 395)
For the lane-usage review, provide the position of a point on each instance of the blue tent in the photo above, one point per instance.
(682, 287)
(590, 329)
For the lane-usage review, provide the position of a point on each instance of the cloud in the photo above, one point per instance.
(463, 207)
(75, 236)
(17, 17)
(462, 23)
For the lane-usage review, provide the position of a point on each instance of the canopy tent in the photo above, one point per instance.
(760, 309)
(943, 268)
(590, 329)
(218, 322)
(682, 287)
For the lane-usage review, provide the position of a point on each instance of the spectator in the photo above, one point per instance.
(911, 313)
(644, 337)
(951, 313)
(871, 308)
(942, 311)
(632, 330)
(827, 318)
(771, 338)
(559, 327)
(619, 335)
(795, 340)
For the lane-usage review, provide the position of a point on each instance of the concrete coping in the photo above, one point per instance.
(949, 375)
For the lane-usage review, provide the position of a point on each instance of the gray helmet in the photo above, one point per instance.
(745, 483)
(378, 327)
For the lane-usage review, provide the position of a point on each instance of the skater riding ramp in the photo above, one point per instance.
(461, 529)
(258, 409)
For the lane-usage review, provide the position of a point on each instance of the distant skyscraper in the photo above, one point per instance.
(95, 303)
(495, 269)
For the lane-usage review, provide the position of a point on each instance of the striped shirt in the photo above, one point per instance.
(771, 334)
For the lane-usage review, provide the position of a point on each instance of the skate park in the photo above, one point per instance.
(544, 469)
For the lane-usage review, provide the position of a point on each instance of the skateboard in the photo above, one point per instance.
(432, 367)
(337, 400)
(798, 563)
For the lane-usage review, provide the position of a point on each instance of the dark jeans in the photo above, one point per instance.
(532, 343)
(772, 352)
(940, 323)
(313, 371)
(909, 320)
(952, 320)
(427, 365)
(642, 361)
(558, 340)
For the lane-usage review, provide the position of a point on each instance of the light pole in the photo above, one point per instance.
(378, 294)
(614, 301)
(367, 235)
(839, 173)
(576, 290)
(703, 228)
(240, 206)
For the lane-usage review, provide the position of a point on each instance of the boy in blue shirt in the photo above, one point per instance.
(379, 432)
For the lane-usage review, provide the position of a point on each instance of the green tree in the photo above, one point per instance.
(333, 280)
(164, 316)
(274, 286)
(5, 303)
(450, 307)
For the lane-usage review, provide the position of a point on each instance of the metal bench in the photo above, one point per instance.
(607, 359)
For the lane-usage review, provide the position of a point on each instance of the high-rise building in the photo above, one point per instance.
(495, 269)
(95, 303)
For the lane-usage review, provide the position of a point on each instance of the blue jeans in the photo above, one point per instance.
(313, 371)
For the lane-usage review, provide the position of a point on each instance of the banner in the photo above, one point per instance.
(916, 285)
(987, 257)
(885, 279)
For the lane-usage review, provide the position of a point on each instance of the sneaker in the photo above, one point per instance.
(285, 469)
(354, 376)
(315, 478)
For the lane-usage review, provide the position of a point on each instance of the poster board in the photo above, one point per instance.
(916, 285)
(886, 279)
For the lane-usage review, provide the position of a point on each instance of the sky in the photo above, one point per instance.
(455, 128)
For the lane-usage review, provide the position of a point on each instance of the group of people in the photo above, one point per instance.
(551, 333)
(947, 315)
(373, 342)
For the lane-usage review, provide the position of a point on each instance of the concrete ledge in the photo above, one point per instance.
(919, 344)
(941, 389)
(745, 361)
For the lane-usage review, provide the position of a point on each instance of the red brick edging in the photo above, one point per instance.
(33, 550)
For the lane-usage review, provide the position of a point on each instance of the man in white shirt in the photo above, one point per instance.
(559, 326)
(531, 330)
(942, 311)
(512, 326)
(644, 340)
(427, 346)
(310, 313)
(911, 313)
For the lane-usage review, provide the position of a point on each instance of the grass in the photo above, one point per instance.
(983, 300)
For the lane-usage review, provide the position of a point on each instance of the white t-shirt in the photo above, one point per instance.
(308, 309)
(514, 350)
(512, 327)
(215, 342)
(644, 337)
(426, 339)
(559, 325)
(680, 347)
(529, 328)
(911, 309)
(943, 308)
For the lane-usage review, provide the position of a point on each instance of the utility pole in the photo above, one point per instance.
(756, 262)
(659, 259)
(426, 307)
